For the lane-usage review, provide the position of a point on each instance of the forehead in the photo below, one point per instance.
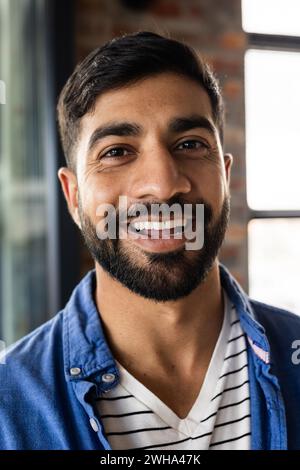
(151, 102)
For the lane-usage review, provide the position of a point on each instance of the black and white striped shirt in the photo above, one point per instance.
(133, 417)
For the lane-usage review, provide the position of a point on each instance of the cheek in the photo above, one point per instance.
(209, 184)
(97, 191)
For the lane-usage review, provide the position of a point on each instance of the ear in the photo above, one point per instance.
(69, 184)
(228, 159)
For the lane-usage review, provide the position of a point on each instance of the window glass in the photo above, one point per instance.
(23, 184)
(274, 254)
(280, 17)
(272, 96)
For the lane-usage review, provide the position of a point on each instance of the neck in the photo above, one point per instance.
(166, 335)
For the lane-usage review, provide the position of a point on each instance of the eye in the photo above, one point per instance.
(192, 145)
(116, 152)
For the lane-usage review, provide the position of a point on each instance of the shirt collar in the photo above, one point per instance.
(86, 351)
(253, 329)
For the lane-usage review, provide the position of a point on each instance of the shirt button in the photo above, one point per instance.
(94, 424)
(75, 370)
(108, 378)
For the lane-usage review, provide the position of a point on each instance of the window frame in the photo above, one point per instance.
(280, 43)
(272, 43)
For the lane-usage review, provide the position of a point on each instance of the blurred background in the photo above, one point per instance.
(254, 48)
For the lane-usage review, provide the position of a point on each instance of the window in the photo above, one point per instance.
(274, 249)
(38, 269)
(278, 17)
(272, 129)
(272, 101)
(27, 221)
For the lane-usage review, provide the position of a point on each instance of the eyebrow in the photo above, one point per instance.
(182, 124)
(127, 129)
(119, 129)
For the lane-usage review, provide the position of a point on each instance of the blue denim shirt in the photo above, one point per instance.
(53, 376)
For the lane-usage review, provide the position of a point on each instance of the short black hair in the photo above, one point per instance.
(123, 61)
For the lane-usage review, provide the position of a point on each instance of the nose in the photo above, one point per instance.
(159, 176)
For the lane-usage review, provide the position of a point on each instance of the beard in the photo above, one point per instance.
(160, 277)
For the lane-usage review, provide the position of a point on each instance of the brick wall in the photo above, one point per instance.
(214, 28)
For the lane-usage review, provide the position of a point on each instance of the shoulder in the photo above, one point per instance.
(40, 345)
(281, 326)
(269, 314)
(282, 329)
(32, 363)
(31, 375)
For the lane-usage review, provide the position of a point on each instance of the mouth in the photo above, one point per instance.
(158, 228)
(158, 236)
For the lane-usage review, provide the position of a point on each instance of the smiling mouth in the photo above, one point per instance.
(159, 228)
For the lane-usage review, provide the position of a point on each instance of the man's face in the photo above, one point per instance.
(162, 146)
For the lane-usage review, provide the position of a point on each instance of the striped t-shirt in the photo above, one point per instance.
(135, 418)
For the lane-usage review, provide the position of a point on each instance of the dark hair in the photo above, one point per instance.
(123, 61)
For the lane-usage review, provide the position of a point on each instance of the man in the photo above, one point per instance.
(158, 347)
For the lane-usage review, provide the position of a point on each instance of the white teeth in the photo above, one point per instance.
(155, 225)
